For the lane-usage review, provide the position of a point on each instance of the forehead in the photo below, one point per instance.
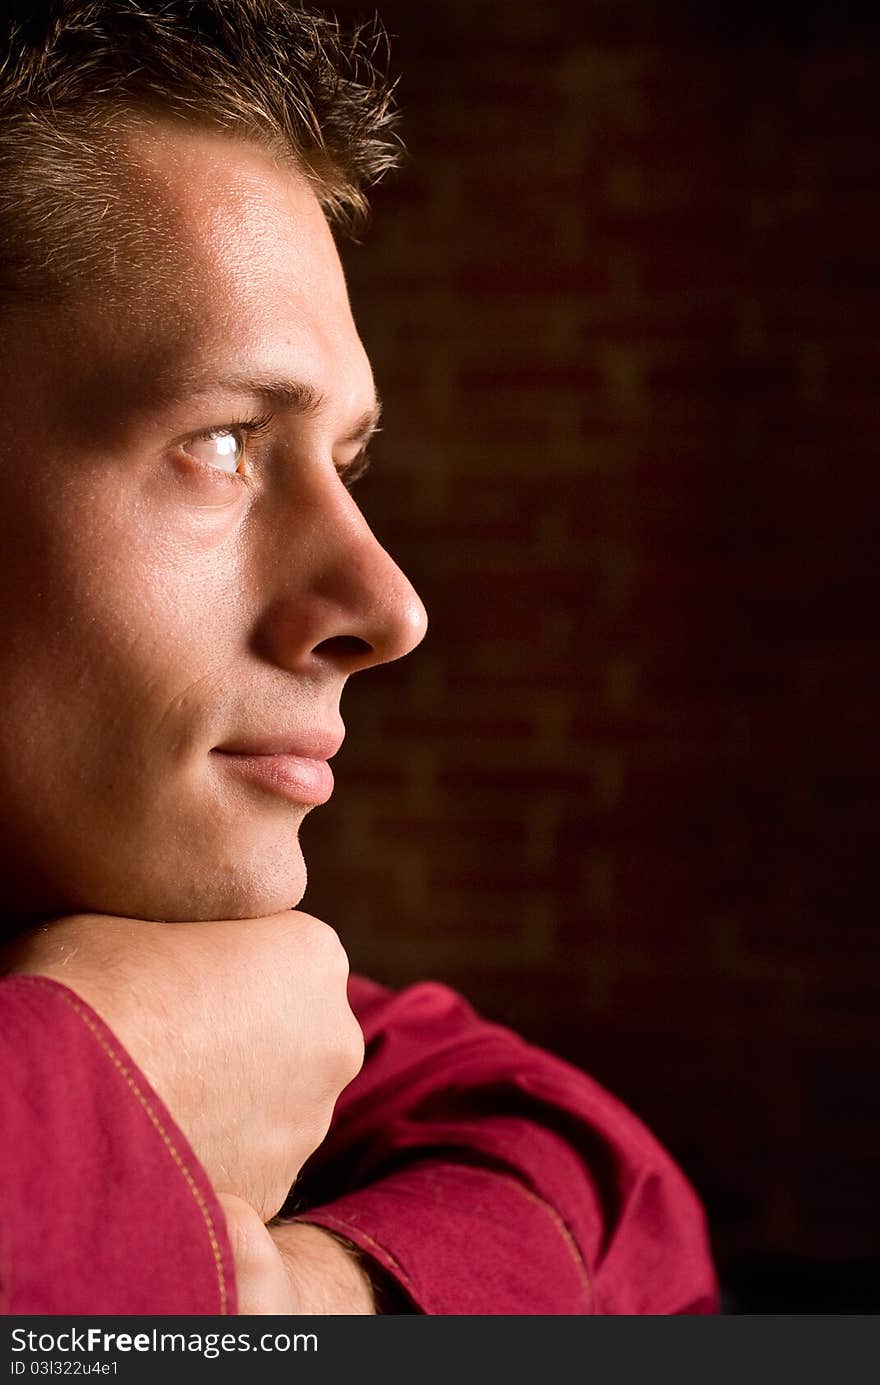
(234, 266)
(228, 206)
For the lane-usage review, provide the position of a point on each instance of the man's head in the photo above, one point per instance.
(183, 567)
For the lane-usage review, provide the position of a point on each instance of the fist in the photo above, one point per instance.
(242, 1026)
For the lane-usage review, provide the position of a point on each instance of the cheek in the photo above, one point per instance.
(113, 609)
(124, 656)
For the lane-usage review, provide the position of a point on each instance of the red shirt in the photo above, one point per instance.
(482, 1174)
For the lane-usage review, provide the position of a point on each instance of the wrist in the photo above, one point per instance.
(327, 1273)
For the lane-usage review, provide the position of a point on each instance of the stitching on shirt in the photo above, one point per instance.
(353, 1232)
(111, 1053)
(563, 1230)
(559, 1224)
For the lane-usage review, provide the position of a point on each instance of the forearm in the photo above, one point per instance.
(460, 1144)
(326, 1275)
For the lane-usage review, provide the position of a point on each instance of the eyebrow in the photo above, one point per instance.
(291, 396)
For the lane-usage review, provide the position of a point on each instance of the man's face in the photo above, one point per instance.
(155, 605)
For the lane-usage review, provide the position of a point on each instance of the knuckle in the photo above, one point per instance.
(319, 935)
(344, 1055)
(322, 945)
(331, 940)
(333, 953)
(352, 1055)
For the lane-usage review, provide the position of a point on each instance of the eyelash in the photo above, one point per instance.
(245, 429)
(349, 475)
(249, 428)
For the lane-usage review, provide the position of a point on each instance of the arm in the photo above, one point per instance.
(146, 1068)
(487, 1177)
(104, 1206)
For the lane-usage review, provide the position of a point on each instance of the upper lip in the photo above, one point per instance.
(307, 745)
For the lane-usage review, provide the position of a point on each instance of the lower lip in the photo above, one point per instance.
(289, 776)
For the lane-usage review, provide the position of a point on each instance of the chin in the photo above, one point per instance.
(252, 885)
(247, 894)
(249, 877)
(255, 904)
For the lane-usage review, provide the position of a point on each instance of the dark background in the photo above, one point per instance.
(622, 307)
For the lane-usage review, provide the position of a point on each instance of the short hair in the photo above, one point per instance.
(76, 75)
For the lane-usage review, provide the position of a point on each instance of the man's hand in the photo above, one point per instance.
(243, 1027)
(293, 1268)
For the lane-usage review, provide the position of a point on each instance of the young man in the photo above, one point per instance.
(187, 586)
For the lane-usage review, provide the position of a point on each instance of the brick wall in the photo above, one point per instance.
(622, 306)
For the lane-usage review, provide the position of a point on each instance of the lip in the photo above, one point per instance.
(307, 745)
(299, 778)
(294, 768)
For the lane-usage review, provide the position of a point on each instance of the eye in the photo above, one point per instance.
(221, 448)
(225, 450)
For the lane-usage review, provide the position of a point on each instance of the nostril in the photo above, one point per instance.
(343, 647)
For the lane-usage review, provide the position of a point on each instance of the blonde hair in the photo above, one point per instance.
(76, 74)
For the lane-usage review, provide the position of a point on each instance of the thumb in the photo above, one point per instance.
(260, 1273)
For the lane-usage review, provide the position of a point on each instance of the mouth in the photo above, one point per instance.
(297, 772)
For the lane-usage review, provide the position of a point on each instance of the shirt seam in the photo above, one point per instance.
(352, 1232)
(125, 1072)
(568, 1239)
(558, 1223)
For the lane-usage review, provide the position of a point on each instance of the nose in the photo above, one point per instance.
(342, 603)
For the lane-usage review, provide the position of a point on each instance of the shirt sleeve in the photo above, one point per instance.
(485, 1176)
(103, 1205)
